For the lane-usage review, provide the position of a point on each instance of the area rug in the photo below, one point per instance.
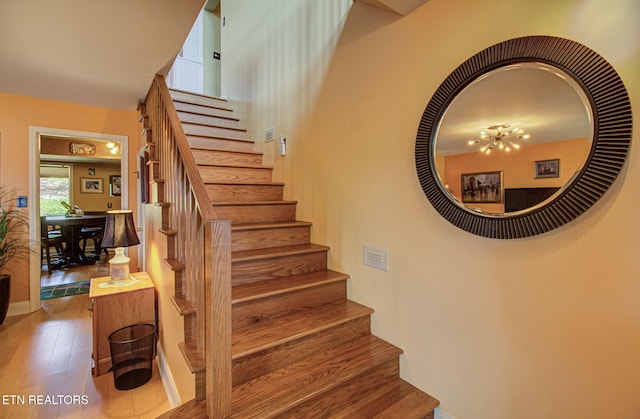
(56, 291)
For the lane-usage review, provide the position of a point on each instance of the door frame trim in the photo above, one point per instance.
(34, 192)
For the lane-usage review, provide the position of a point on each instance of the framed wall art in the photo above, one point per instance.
(91, 185)
(546, 169)
(484, 187)
(115, 185)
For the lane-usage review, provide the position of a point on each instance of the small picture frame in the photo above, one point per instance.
(484, 187)
(546, 169)
(91, 185)
(92, 171)
(115, 185)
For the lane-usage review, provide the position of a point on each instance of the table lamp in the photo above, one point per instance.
(119, 232)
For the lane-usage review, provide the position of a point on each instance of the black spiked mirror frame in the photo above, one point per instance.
(611, 136)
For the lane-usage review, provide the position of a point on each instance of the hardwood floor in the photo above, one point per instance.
(48, 353)
(76, 273)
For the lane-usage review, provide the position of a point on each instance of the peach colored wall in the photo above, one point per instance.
(517, 166)
(170, 322)
(17, 113)
(95, 201)
(495, 329)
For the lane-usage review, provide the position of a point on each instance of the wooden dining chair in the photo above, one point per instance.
(94, 234)
(50, 238)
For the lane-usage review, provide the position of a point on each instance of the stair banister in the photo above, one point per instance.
(201, 245)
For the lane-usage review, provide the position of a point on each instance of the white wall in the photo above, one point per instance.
(211, 30)
(540, 327)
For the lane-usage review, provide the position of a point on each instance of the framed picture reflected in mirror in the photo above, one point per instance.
(546, 169)
(482, 187)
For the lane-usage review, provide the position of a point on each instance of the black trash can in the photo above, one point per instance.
(132, 351)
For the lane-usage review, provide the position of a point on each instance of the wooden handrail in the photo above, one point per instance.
(202, 244)
(193, 173)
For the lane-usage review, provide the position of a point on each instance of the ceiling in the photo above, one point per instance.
(106, 53)
(92, 52)
(401, 7)
(542, 100)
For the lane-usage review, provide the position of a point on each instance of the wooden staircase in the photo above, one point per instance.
(300, 348)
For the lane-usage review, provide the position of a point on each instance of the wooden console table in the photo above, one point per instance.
(115, 307)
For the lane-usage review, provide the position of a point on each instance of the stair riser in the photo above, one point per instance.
(257, 311)
(222, 174)
(208, 120)
(199, 100)
(256, 213)
(192, 129)
(227, 158)
(165, 226)
(190, 327)
(339, 404)
(203, 110)
(151, 148)
(154, 170)
(264, 269)
(212, 143)
(249, 367)
(156, 192)
(244, 193)
(268, 238)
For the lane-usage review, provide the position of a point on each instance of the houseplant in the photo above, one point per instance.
(14, 243)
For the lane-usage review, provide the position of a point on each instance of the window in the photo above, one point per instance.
(55, 187)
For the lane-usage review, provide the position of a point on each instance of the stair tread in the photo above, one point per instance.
(215, 108)
(256, 153)
(237, 166)
(256, 290)
(276, 392)
(193, 356)
(264, 226)
(173, 89)
(259, 336)
(244, 255)
(405, 402)
(395, 398)
(174, 264)
(250, 203)
(409, 402)
(249, 183)
(193, 409)
(230, 118)
(202, 124)
(183, 306)
(220, 137)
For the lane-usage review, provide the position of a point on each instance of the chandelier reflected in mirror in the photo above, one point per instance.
(504, 138)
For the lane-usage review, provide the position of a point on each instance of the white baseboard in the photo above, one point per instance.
(21, 307)
(167, 379)
(440, 414)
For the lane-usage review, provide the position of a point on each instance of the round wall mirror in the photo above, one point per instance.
(523, 137)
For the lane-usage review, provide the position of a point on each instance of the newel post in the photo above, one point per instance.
(218, 318)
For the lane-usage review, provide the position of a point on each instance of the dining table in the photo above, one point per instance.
(70, 228)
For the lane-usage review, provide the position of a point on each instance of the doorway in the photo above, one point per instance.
(97, 183)
(197, 68)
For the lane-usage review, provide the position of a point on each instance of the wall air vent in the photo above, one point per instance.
(376, 258)
(269, 134)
